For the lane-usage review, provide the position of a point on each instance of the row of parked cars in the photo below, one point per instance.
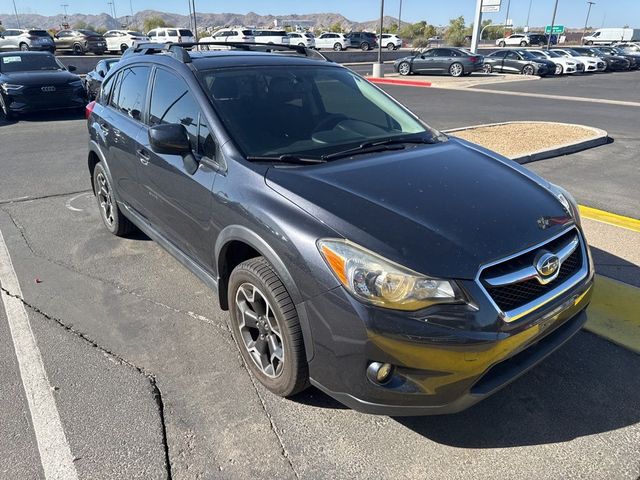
(556, 61)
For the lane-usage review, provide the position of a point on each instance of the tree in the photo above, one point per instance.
(456, 32)
(154, 22)
(336, 27)
(84, 26)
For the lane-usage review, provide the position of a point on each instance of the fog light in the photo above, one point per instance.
(379, 373)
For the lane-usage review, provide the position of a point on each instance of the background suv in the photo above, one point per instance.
(277, 37)
(171, 35)
(243, 35)
(21, 39)
(390, 41)
(523, 40)
(303, 39)
(80, 42)
(362, 40)
(262, 174)
(334, 41)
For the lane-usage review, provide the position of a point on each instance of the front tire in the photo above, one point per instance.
(523, 44)
(123, 48)
(528, 70)
(265, 326)
(486, 68)
(364, 46)
(8, 114)
(559, 69)
(404, 69)
(337, 47)
(78, 49)
(24, 47)
(110, 213)
(502, 44)
(456, 69)
(391, 46)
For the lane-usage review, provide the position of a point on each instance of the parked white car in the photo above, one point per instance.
(171, 35)
(390, 41)
(522, 40)
(591, 64)
(276, 37)
(564, 65)
(304, 39)
(334, 41)
(237, 35)
(120, 40)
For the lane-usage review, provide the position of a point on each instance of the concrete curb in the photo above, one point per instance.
(601, 137)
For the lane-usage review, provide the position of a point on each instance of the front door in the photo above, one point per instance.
(176, 201)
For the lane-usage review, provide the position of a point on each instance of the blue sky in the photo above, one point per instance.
(610, 13)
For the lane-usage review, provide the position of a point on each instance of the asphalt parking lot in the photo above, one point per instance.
(148, 381)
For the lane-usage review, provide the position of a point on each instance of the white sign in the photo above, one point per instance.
(491, 3)
(490, 8)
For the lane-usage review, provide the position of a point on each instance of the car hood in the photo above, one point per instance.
(51, 77)
(442, 210)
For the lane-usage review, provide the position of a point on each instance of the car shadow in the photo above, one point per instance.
(615, 267)
(46, 116)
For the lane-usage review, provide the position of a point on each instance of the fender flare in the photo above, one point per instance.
(243, 234)
(95, 149)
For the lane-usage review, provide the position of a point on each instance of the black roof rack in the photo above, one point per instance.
(179, 52)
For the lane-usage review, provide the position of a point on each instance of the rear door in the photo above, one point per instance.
(512, 62)
(122, 124)
(497, 61)
(175, 201)
(424, 63)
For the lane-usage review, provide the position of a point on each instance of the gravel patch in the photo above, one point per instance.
(516, 139)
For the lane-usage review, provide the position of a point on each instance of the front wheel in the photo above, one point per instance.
(456, 69)
(502, 44)
(8, 115)
(364, 46)
(24, 47)
(559, 69)
(337, 47)
(404, 69)
(528, 70)
(486, 68)
(123, 47)
(523, 44)
(110, 213)
(78, 50)
(589, 42)
(391, 46)
(265, 326)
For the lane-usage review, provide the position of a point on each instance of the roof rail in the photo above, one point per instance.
(178, 50)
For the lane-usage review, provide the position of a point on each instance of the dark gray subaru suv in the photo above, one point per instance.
(357, 249)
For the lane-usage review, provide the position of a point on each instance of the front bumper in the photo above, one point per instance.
(445, 359)
(33, 101)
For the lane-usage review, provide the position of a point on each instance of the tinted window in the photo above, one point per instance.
(512, 56)
(89, 33)
(131, 91)
(247, 32)
(39, 33)
(171, 102)
(498, 55)
(152, 34)
(185, 33)
(172, 33)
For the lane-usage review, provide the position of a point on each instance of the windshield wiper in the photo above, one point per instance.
(292, 159)
(379, 145)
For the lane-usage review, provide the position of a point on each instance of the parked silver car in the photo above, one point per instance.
(25, 40)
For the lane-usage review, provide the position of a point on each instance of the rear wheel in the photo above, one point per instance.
(391, 46)
(487, 68)
(589, 42)
(337, 47)
(364, 46)
(78, 49)
(123, 47)
(265, 325)
(501, 44)
(24, 47)
(528, 70)
(110, 213)
(523, 44)
(559, 69)
(404, 68)
(456, 69)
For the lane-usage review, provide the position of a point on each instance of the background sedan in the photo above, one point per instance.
(518, 61)
(454, 61)
(93, 80)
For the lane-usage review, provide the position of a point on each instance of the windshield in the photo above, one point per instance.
(528, 54)
(553, 54)
(28, 63)
(307, 111)
(537, 54)
(89, 33)
(573, 53)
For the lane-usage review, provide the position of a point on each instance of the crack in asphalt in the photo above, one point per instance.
(150, 376)
(30, 199)
(118, 286)
(157, 394)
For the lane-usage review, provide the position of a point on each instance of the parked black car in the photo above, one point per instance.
(362, 40)
(80, 42)
(454, 61)
(397, 269)
(93, 80)
(634, 58)
(614, 62)
(518, 61)
(34, 81)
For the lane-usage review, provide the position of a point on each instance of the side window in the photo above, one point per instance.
(106, 89)
(152, 34)
(512, 56)
(131, 92)
(172, 33)
(171, 102)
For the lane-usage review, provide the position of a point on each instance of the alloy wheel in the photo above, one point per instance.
(105, 198)
(527, 70)
(486, 68)
(456, 70)
(404, 68)
(259, 330)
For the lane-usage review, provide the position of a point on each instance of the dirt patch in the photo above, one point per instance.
(516, 139)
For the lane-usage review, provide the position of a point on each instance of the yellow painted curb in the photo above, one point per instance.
(614, 312)
(610, 218)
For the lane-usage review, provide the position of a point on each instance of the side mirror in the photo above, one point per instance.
(71, 68)
(169, 139)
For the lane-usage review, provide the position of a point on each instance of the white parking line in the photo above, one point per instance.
(55, 453)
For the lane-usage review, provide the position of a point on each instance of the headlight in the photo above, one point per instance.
(568, 202)
(373, 279)
(8, 87)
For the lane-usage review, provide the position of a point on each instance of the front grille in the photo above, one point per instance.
(515, 295)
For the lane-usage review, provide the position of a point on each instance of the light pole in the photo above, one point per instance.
(64, 7)
(553, 21)
(195, 23)
(586, 22)
(400, 17)
(506, 20)
(15, 10)
(378, 68)
(529, 14)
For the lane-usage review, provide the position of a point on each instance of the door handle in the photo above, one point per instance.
(143, 156)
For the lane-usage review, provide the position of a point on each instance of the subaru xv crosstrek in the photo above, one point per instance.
(397, 269)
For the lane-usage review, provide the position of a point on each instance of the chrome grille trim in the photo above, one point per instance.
(532, 306)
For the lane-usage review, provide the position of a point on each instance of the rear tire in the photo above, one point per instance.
(391, 46)
(528, 70)
(265, 326)
(589, 42)
(364, 46)
(24, 47)
(523, 44)
(456, 69)
(110, 213)
(502, 44)
(337, 47)
(486, 68)
(404, 69)
(78, 49)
